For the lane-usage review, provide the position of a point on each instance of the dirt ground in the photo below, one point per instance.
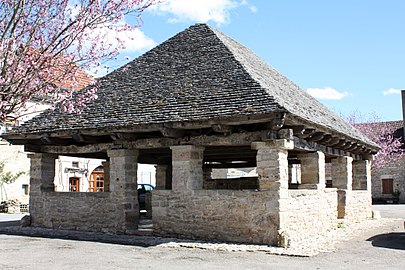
(380, 247)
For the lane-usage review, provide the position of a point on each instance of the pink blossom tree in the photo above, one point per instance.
(383, 134)
(45, 45)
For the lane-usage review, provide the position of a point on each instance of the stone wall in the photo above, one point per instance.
(396, 170)
(223, 215)
(358, 205)
(308, 213)
(232, 183)
(78, 211)
(244, 216)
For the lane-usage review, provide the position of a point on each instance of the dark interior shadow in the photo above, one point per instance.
(394, 240)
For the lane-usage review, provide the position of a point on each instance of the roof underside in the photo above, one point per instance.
(198, 75)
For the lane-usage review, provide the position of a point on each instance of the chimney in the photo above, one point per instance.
(403, 112)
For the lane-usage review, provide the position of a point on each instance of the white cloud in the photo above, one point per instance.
(392, 91)
(135, 41)
(253, 9)
(199, 10)
(327, 93)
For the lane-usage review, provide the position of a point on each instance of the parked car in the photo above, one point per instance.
(143, 189)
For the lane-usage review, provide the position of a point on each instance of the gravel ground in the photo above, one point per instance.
(373, 244)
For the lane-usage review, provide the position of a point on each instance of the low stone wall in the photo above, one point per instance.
(78, 211)
(308, 213)
(358, 205)
(224, 215)
(232, 183)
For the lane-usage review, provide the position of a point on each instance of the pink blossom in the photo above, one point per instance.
(382, 133)
(44, 45)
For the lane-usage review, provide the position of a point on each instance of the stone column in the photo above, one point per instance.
(106, 167)
(42, 172)
(187, 172)
(312, 170)
(362, 175)
(123, 187)
(161, 172)
(342, 179)
(342, 176)
(272, 165)
(272, 169)
(42, 175)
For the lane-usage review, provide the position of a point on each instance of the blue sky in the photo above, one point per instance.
(350, 54)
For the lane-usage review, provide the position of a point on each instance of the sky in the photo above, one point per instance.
(349, 54)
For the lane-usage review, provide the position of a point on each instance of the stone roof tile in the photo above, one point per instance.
(199, 74)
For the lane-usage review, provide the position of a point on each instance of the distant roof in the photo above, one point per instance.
(395, 128)
(199, 74)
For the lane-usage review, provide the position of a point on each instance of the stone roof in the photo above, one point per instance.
(199, 74)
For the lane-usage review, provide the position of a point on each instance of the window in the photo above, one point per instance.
(74, 184)
(96, 183)
(75, 164)
(25, 189)
(387, 186)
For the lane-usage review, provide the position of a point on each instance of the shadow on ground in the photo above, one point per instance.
(14, 228)
(394, 240)
(9, 223)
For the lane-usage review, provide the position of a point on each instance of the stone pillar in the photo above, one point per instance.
(272, 169)
(42, 175)
(123, 187)
(342, 176)
(272, 165)
(362, 175)
(106, 167)
(342, 179)
(312, 170)
(187, 172)
(42, 172)
(161, 173)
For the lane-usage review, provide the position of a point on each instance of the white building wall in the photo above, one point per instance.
(15, 160)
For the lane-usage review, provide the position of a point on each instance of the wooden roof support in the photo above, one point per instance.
(285, 133)
(308, 132)
(317, 136)
(172, 133)
(225, 129)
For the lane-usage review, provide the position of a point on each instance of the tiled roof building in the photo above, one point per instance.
(198, 102)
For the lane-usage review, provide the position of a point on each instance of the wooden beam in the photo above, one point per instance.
(277, 121)
(298, 130)
(285, 133)
(120, 136)
(333, 141)
(74, 149)
(340, 144)
(306, 133)
(228, 165)
(46, 140)
(172, 133)
(317, 136)
(77, 137)
(226, 129)
(326, 139)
